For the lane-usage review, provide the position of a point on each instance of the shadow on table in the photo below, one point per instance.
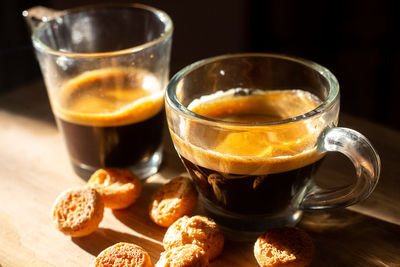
(137, 217)
(104, 237)
(345, 238)
(30, 100)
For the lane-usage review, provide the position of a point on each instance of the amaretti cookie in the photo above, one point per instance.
(184, 256)
(123, 255)
(119, 187)
(197, 230)
(78, 211)
(284, 247)
(173, 200)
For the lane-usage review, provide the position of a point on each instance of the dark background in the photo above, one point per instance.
(357, 40)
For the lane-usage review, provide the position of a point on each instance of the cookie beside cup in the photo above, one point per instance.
(286, 246)
(172, 201)
(197, 230)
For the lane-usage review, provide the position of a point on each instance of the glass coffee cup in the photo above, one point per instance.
(252, 131)
(106, 68)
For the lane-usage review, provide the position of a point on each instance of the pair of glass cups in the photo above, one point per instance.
(106, 69)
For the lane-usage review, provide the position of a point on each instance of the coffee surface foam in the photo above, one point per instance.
(109, 97)
(259, 149)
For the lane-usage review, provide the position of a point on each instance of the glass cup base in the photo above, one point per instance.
(247, 227)
(143, 169)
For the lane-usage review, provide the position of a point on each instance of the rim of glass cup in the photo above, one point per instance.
(174, 103)
(162, 16)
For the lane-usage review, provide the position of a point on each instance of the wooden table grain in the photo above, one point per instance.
(34, 169)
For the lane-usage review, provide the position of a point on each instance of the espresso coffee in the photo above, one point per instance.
(258, 171)
(110, 117)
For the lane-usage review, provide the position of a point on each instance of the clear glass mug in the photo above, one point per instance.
(106, 68)
(252, 130)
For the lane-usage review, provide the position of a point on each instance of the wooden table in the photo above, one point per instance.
(34, 169)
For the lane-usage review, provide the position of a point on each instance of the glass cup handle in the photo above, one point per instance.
(366, 162)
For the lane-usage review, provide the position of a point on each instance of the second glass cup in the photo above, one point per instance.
(106, 68)
(252, 131)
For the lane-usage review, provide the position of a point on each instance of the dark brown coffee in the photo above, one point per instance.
(113, 146)
(110, 117)
(251, 194)
(258, 170)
